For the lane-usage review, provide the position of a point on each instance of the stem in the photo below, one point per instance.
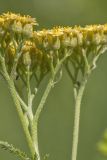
(78, 100)
(37, 115)
(30, 96)
(23, 104)
(20, 112)
(18, 106)
(43, 100)
(41, 105)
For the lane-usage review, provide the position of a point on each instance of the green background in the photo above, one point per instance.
(56, 122)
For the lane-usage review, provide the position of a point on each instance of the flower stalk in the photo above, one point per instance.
(17, 104)
(50, 84)
(78, 100)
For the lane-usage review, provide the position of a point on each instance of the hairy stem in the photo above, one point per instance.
(42, 102)
(20, 112)
(37, 115)
(78, 100)
(30, 96)
(18, 106)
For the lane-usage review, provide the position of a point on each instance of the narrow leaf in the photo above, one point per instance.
(17, 152)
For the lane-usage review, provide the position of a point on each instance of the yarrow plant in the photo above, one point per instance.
(27, 54)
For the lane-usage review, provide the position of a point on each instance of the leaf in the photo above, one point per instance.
(17, 152)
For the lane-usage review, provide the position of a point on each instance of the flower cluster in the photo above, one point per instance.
(26, 53)
(85, 44)
(16, 23)
(40, 50)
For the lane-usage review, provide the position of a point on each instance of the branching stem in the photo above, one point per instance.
(17, 104)
(42, 102)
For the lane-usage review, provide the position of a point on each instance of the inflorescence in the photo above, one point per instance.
(40, 51)
(26, 53)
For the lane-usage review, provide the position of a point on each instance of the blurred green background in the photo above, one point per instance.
(56, 122)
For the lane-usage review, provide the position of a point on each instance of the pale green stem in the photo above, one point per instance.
(35, 121)
(42, 102)
(18, 106)
(78, 95)
(78, 100)
(30, 96)
(23, 104)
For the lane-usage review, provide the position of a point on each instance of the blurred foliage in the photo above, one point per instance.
(102, 145)
(57, 119)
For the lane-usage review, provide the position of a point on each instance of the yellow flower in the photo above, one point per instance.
(11, 49)
(10, 17)
(56, 32)
(17, 23)
(1, 21)
(28, 47)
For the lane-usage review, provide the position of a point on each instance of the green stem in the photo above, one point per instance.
(37, 115)
(20, 112)
(41, 105)
(18, 106)
(30, 96)
(78, 100)
(23, 104)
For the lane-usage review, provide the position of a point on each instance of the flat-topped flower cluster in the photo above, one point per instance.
(41, 50)
(26, 52)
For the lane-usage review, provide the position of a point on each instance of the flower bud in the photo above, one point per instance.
(16, 27)
(74, 42)
(26, 59)
(97, 38)
(45, 44)
(50, 55)
(11, 50)
(28, 30)
(67, 41)
(104, 38)
(80, 38)
(57, 44)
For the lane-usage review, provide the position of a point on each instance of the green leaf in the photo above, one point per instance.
(17, 152)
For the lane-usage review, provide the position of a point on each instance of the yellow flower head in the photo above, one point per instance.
(56, 32)
(10, 17)
(50, 45)
(28, 47)
(17, 23)
(1, 21)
